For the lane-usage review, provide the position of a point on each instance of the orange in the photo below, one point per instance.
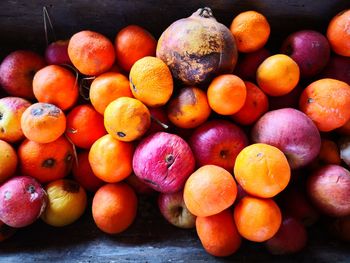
(262, 170)
(218, 234)
(43, 122)
(84, 126)
(255, 105)
(226, 94)
(56, 85)
(46, 162)
(338, 33)
(133, 43)
(278, 75)
(251, 31)
(329, 153)
(108, 87)
(326, 102)
(151, 81)
(127, 119)
(83, 173)
(209, 190)
(8, 161)
(111, 159)
(114, 207)
(257, 219)
(91, 52)
(189, 108)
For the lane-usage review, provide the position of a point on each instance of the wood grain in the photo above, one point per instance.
(150, 239)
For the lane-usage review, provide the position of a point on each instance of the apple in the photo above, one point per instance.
(11, 110)
(217, 142)
(309, 49)
(163, 161)
(22, 201)
(292, 132)
(294, 203)
(138, 185)
(290, 238)
(6, 231)
(57, 53)
(338, 68)
(329, 188)
(248, 63)
(290, 100)
(17, 71)
(174, 210)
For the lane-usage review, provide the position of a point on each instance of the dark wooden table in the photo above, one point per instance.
(150, 238)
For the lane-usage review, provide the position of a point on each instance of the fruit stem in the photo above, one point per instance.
(159, 122)
(47, 19)
(205, 12)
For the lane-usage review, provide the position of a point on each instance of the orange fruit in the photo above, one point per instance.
(8, 161)
(43, 122)
(278, 75)
(111, 159)
(326, 102)
(91, 52)
(127, 119)
(257, 219)
(209, 190)
(133, 43)
(108, 87)
(251, 31)
(338, 33)
(84, 126)
(83, 173)
(226, 94)
(114, 207)
(46, 162)
(189, 108)
(151, 81)
(262, 170)
(329, 153)
(56, 85)
(255, 105)
(218, 234)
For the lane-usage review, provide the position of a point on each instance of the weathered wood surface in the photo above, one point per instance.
(150, 239)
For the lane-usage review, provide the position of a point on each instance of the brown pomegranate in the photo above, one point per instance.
(197, 48)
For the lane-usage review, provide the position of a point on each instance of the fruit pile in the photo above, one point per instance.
(237, 148)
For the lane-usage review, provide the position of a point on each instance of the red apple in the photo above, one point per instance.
(309, 49)
(163, 161)
(292, 132)
(329, 188)
(22, 201)
(6, 231)
(217, 142)
(17, 71)
(139, 186)
(338, 68)
(57, 53)
(290, 238)
(249, 63)
(174, 210)
(294, 203)
(11, 110)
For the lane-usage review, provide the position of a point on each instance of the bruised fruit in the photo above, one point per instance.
(22, 201)
(329, 188)
(164, 161)
(66, 203)
(197, 48)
